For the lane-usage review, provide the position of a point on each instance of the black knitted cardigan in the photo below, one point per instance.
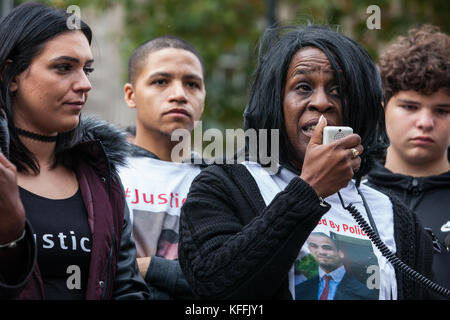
(233, 246)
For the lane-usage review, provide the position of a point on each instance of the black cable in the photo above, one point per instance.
(368, 212)
(391, 257)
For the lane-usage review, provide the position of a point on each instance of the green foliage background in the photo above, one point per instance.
(226, 33)
(307, 266)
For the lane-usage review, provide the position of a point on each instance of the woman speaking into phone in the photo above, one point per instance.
(247, 233)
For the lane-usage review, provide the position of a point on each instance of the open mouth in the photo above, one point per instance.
(309, 127)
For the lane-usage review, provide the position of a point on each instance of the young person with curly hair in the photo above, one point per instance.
(415, 72)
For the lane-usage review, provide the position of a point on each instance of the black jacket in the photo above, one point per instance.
(233, 246)
(429, 199)
(113, 272)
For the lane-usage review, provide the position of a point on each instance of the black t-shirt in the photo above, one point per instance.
(63, 239)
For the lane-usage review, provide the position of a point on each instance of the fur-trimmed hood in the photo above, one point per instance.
(97, 138)
(92, 140)
(112, 138)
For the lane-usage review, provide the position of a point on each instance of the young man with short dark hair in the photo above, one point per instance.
(166, 88)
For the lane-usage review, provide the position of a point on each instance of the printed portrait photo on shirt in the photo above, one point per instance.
(337, 267)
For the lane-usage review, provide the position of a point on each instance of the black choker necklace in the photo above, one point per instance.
(36, 136)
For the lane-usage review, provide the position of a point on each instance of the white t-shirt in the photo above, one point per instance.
(155, 190)
(338, 241)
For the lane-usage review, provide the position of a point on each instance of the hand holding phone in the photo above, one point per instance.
(331, 158)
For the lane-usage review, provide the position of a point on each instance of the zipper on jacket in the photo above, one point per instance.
(108, 267)
(108, 168)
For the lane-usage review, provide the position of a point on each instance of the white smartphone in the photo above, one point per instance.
(332, 133)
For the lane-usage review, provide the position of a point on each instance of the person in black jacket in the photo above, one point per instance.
(65, 230)
(243, 228)
(415, 168)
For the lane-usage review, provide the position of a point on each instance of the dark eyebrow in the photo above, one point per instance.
(161, 74)
(193, 77)
(71, 59)
(408, 101)
(305, 70)
(170, 76)
(439, 105)
(302, 71)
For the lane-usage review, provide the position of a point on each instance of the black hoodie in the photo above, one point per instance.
(429, 199)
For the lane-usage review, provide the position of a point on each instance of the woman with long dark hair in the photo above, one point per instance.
(246, 233)
(64, 225)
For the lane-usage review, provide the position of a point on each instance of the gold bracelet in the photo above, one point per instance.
(13, 243)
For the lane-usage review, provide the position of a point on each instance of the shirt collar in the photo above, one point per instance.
(336, 275)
